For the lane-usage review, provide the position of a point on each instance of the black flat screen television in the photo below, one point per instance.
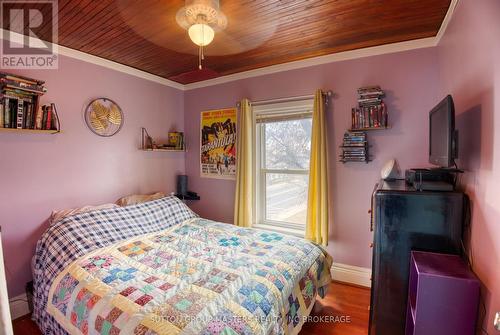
(443, 138)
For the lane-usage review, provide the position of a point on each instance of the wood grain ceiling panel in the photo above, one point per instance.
(144, 34)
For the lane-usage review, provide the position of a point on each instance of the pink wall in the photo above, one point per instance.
(39, 173)
(411, 82)
(469, 60)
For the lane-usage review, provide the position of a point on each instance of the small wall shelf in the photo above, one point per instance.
(354, 148)
(371, 112)
(370, 128)
(21, 109)
(147, 143)
(164, 150)
(32, 131)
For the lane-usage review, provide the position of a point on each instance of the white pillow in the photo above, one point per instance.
(135, 199)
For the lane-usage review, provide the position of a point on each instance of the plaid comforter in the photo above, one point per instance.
(80, 234)
(173, 273)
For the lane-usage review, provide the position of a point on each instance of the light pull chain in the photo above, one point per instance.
(201, 56)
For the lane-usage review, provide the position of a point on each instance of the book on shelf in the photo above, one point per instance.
(16, 94)
(350, 159)
(21, 84)
(29, 120)
(38, 117)
(370, 92)
(354, 151)
(55, 117)
(21, 79)
(6, 112)
(370, 117)
(11, 113)
(31, 89)
(355, 138)
(351, 144)
(20, 114)
(363, 156)
(48, 124)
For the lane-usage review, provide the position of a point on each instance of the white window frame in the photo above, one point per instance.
(296, 110)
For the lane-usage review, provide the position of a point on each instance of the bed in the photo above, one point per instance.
(157, 268)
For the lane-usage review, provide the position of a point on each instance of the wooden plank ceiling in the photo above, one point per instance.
(144, 34)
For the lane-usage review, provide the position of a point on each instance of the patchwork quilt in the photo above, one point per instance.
(196, 277)
(75, 236)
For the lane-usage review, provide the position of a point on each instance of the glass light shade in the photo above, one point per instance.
(201, 34)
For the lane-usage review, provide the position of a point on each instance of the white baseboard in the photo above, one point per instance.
(351, 274)
(19, 306)
(340, 272)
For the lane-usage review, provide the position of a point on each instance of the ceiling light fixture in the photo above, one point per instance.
(202, 18)
(201, 34)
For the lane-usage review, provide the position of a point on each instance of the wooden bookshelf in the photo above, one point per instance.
(21, 107)
(30, 131)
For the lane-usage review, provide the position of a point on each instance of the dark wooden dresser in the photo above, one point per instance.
(404, 219)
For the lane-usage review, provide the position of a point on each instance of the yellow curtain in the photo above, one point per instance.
(243, 202)
(317, 203)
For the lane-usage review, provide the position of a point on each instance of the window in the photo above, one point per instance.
(282, 152)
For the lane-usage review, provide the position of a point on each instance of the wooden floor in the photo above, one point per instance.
(342, 303)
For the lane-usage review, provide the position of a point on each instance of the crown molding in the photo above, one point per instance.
(336, 57)
(86, 57)
(446, 20)
(118, 67)
(428, 42)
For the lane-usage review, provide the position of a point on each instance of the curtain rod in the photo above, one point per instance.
(326, 94)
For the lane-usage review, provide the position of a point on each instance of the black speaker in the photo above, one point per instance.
(182, 184)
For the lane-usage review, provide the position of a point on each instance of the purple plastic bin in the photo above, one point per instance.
(443, 295)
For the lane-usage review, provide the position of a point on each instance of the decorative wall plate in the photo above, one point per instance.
(104, 117)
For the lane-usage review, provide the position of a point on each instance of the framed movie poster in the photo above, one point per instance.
(218, 144)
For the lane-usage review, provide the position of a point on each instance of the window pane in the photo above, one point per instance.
(288, 144)
(286, 197)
